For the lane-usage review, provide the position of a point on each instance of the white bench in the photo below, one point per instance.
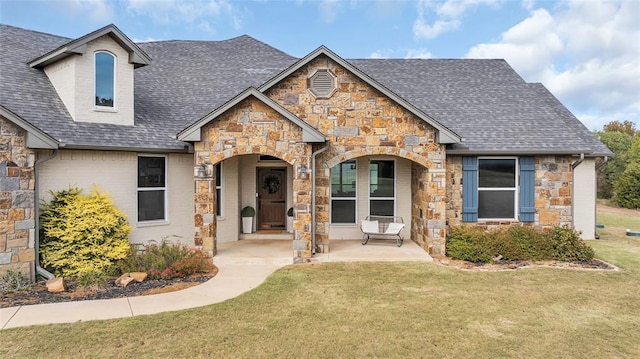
(382, 227)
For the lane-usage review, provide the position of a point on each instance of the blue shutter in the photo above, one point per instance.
(527, 184)
(469, 189)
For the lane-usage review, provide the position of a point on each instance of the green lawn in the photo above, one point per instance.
(382, 310)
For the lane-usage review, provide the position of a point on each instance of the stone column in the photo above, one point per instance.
(205, 210)
(302, 214)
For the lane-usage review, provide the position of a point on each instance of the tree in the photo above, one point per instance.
(627, 186)
(626, 127)
(619, 143)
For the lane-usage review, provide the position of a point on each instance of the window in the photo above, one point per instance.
(152, 188)
(219, 189)
(497, 184)
(343, 192)
(382, 188)
(105, 65)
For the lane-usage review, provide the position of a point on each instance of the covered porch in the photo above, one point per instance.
(278, 251)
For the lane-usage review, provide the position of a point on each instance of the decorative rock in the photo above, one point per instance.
(138, 276)
(124, 280)
(56, 285)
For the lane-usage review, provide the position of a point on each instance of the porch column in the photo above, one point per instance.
(205, 209)
(428, 213)
(302, 215)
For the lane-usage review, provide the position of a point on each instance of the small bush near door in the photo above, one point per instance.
(517, 243)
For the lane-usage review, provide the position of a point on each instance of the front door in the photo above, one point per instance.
(272, 197)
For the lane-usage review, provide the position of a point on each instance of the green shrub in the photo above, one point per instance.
(517, 243)
(565, 245)
(627, 189)
(82, 236)
(13, 281)
(165, 261)
(469, 244)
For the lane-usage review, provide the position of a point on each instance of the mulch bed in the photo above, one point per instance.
(502, 265)
(38, 293)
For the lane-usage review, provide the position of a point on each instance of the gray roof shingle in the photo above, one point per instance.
(484, 101)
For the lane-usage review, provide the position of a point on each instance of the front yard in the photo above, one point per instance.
(385, 310)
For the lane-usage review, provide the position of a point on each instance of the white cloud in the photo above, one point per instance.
(448, 14)
(418, 54)
(97, 11)
(329, 9)
(379, 54)
(586, 53)
(194, 12)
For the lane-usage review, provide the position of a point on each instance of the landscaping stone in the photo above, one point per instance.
(124, 280)
(138, 276)
(56, 285)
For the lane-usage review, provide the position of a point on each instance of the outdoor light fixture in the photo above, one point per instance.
(303, 170)
(201, 171)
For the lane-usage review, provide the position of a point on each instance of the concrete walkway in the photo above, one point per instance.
(242, 265)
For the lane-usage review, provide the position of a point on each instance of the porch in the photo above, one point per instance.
(278, 251)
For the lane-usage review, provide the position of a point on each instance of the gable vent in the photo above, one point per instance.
(322, 83)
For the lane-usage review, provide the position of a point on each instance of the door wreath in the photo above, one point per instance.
(271, 184)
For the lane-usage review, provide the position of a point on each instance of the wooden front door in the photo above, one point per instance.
(272, 197)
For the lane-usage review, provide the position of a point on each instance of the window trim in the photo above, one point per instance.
(354, 198)
(516, 188)
(144, 189)
(395, 184)
(95, 82)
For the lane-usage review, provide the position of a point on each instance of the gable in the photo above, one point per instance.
(137, 57)
(444, 135)
(193, 132)
(35, 138)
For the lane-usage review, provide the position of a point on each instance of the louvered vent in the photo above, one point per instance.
(322, 83)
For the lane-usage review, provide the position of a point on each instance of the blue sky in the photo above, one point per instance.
(586, 52)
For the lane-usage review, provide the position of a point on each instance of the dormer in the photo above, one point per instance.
(93, 75)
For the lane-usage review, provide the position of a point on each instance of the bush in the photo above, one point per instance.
(469, 244)
(517, 243)
(13, 281)
(627, 189)
(564, 244)
(82, 236)
(166, 261)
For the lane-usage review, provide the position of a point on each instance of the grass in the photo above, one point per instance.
(389, 310)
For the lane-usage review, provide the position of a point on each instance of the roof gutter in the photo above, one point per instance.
(313, 197)
(43, 272)
(516, 152)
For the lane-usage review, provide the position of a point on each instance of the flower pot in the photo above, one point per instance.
(247, 224)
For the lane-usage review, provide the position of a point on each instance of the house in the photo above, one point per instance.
(184, 134)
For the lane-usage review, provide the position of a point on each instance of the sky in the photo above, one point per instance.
(586, 52)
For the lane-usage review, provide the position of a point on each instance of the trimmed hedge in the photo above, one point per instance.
(517, 243)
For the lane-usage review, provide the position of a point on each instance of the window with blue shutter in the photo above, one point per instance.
(469, 189)
(527, 188)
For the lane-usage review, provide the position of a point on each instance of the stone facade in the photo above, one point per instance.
(553, 193)
(17, 205)
(251, 127)
(358, 121)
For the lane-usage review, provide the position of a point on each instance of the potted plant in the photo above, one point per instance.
(290, 220)
(247, 214)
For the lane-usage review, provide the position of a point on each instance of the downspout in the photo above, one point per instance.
(313, 197)
(43, 272)
(578, 162)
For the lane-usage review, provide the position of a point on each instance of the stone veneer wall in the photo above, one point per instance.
(251, 127)
(553, 193)
(17, 211)
(358, 120)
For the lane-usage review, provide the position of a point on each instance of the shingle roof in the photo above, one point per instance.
(483, 101)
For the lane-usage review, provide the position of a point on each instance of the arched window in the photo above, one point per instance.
(105, 79)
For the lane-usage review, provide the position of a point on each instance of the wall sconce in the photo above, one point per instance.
(201, 171)
(303, 170)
